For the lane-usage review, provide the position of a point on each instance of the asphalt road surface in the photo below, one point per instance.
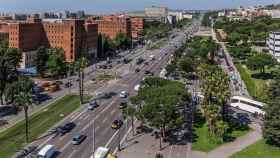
(99, 121)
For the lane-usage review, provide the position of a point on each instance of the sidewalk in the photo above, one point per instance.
(144, 145)
(227, 150)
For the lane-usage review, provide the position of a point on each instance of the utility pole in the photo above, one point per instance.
(93, 135)
(119, 139)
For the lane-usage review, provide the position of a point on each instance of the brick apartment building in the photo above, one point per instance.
(4, 31)
(73, 36)
(112, 25)
(137, 27)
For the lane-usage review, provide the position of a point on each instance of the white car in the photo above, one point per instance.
(137, 87)
(123, 94)
(46, 152)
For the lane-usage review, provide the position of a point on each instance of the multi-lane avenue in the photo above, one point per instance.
(96, 124)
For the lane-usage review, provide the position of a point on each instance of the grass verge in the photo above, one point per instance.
(258, 150)
(13, 139)
(202, 141)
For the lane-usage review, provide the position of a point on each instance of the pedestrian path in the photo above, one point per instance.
(227, 150)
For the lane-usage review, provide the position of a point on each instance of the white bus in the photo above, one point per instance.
(248, 105)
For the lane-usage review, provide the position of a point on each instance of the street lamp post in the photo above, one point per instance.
(93, 135)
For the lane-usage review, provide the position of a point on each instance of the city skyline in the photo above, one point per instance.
(110, 6)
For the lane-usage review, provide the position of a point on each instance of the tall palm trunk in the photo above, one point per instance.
(26, 123)
(132, 125)
(80, 87)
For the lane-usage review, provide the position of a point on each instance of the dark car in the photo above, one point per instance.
(137, 70)
(117, 124)
(68, 84)
(123, 105)
(66, 128)
(146, 63)
(78, 139)
(139, 61)
(147, 72)
(92, 105)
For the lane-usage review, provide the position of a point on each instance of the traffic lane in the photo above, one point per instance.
(78, 118)
(103, 119)
(103, 132)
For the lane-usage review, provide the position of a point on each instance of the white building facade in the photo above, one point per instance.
(273, 43)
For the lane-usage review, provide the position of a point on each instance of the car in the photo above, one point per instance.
(78, 139)
(139, 61)
(147, 72)
(123, 94)
(146, 63)
(92, 105)
(68, 85)
(66, 128)
(47, 151)
(109, 66)
(137, 87)
(117, 124)
(123, 105)
(137, 70)
(58, 82)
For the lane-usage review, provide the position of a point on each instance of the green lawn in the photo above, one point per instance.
(202, 141)
(255, 86)
(258, 150)
(13, 138)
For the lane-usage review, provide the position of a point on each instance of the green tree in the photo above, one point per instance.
(234, 38)
(170, 68)
(122, 41)
(271, 128)
(56, 64)
(187, 65)
(9, 60)
(130, 111)
(81, 64)
(23, 98)
(260, 61)
(159, 98)
(42, 58)
(222, 128)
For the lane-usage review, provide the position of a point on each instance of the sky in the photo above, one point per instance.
(109, 6)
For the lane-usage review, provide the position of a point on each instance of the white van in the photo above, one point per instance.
(101, 152)
(46, 152)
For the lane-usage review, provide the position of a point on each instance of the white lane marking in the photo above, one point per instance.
(113, 111)
(97, 128)
(88, 125)
(76, 117)
(86, 117)
(170, 151)
(123, 139)
(104, 120)
(45, 142)
(60, 138)
(111, 139)
(72, 153)
(108, 106)
(65, 146)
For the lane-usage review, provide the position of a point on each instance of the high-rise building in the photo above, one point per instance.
(273, 43)
(112, 25)
(137, 27)
(157, 13)
(73, 36)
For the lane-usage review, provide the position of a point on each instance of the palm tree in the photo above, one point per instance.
(23, 98)
(82, 63)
